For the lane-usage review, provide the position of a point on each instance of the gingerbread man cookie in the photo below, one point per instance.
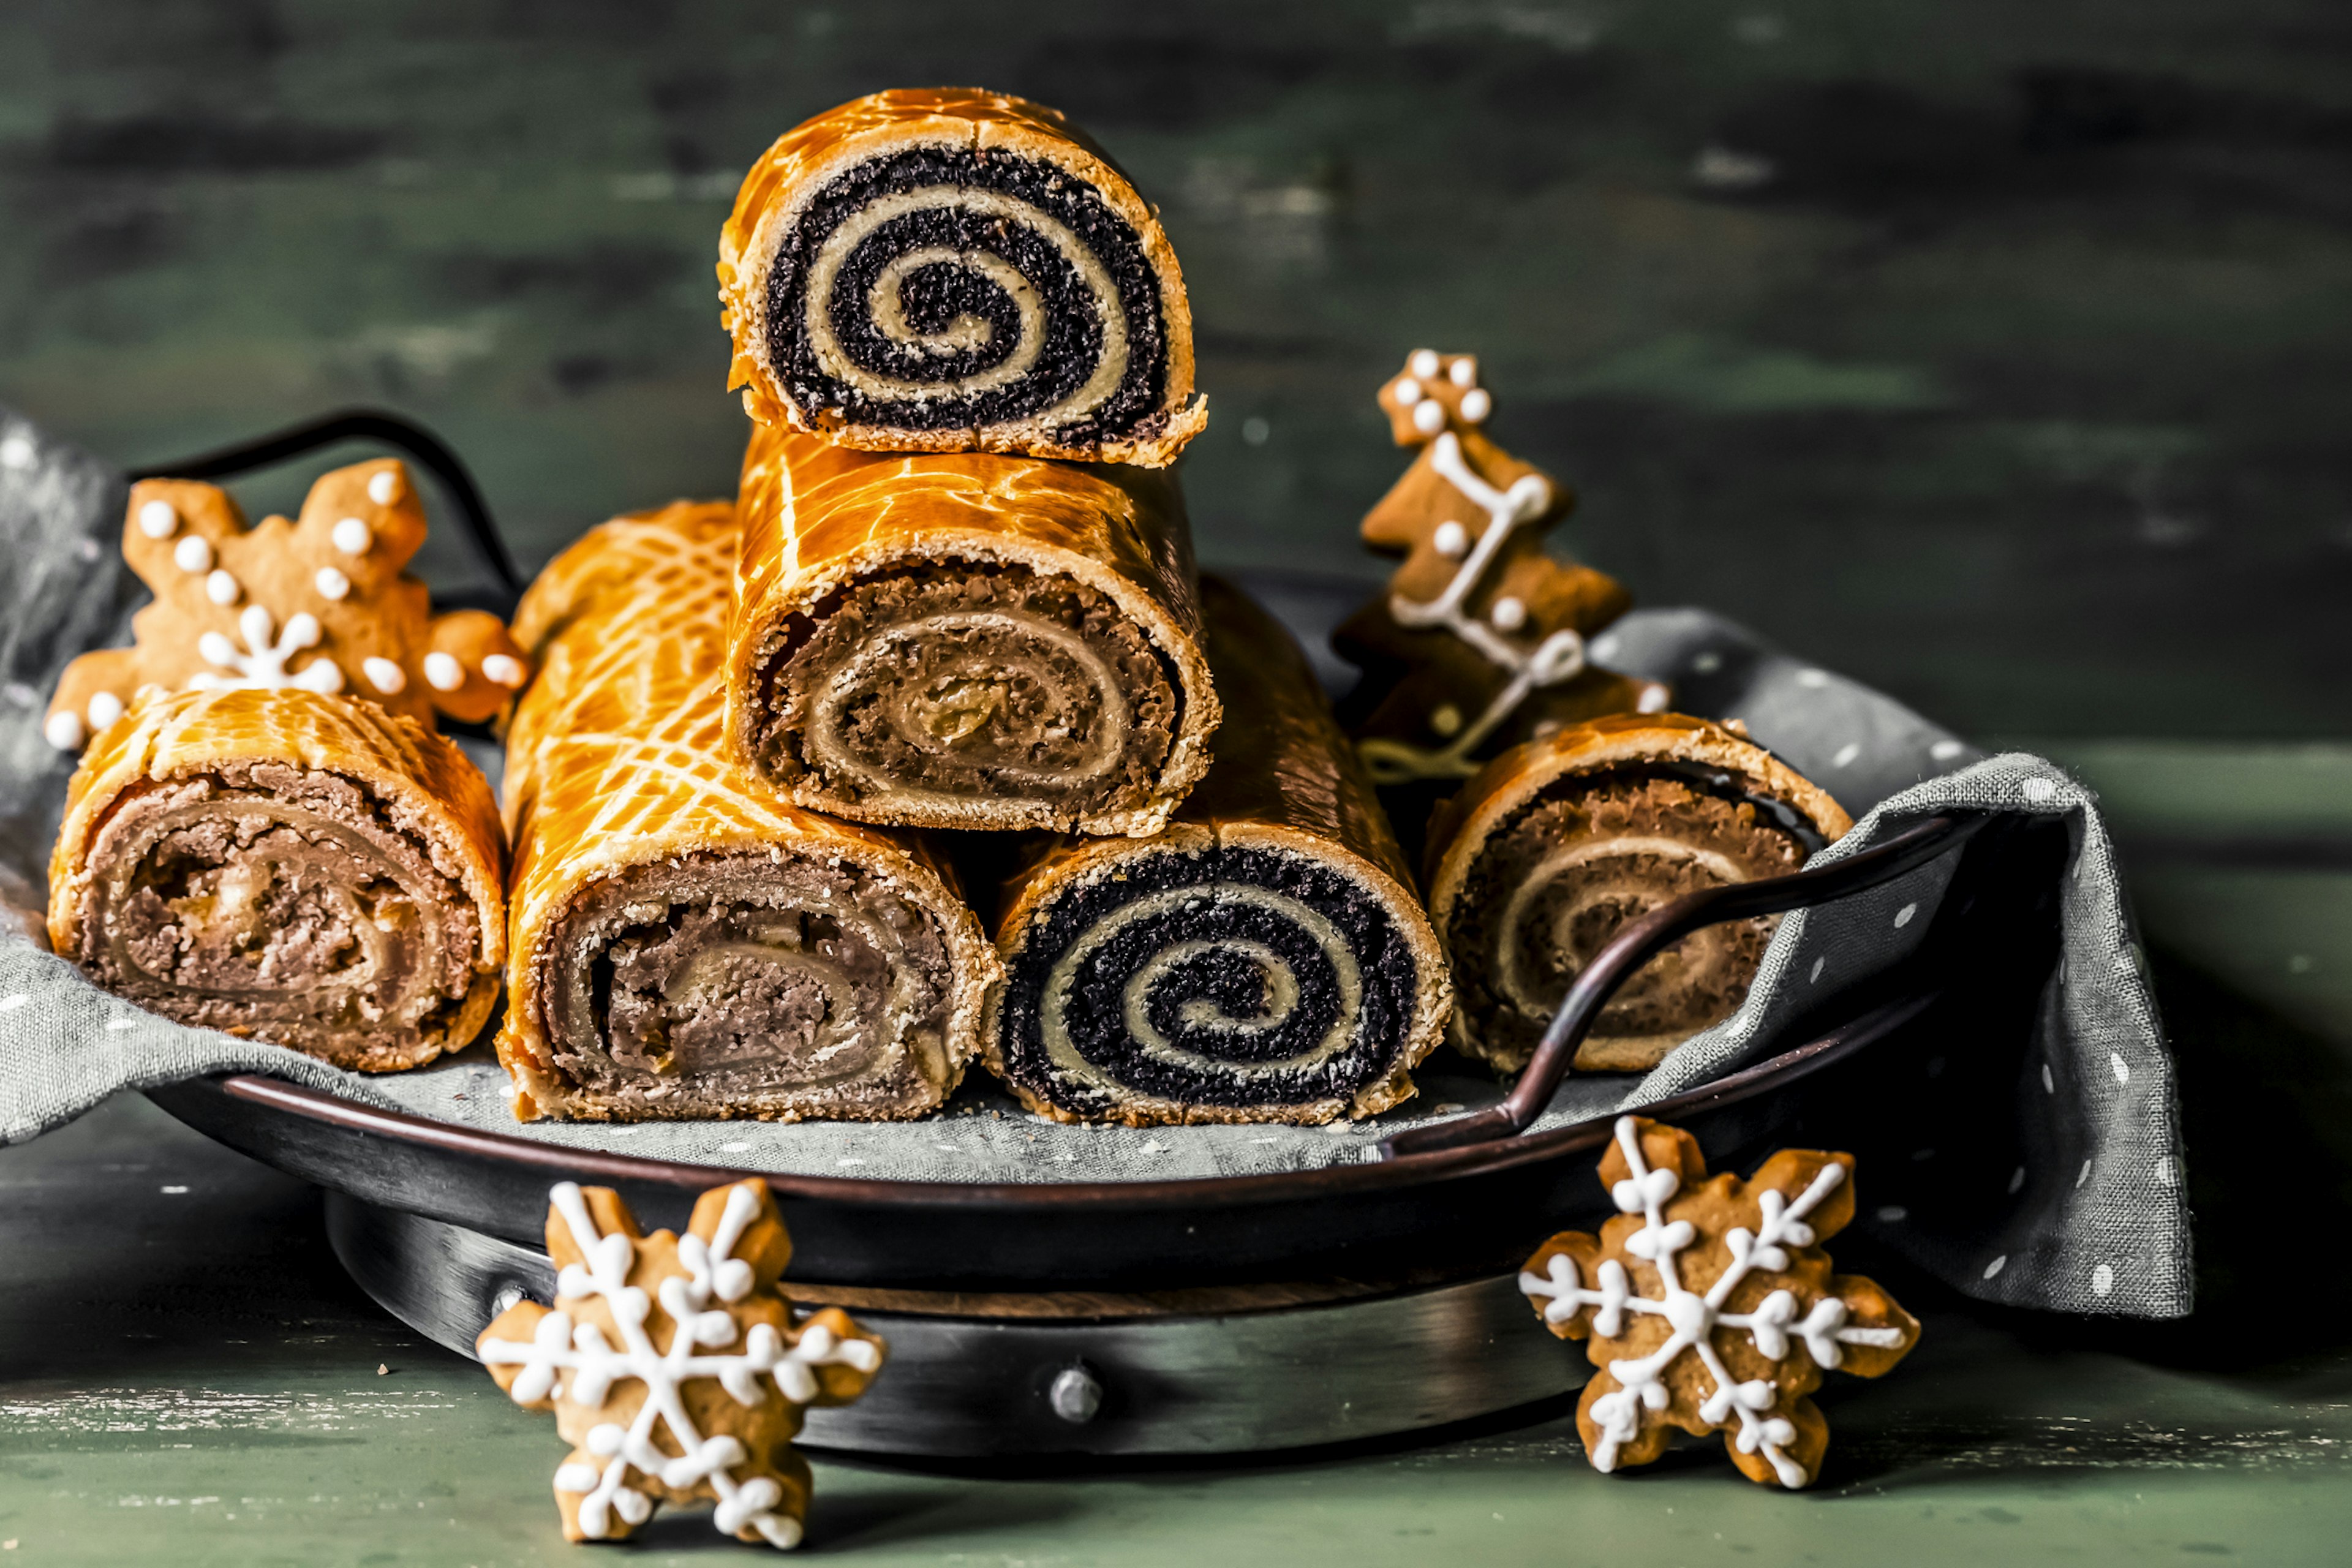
(1479, 643)
(674, 1365)
(1710, 1306)
(321, 604)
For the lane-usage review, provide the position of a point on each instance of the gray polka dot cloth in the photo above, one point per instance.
(2081, 1209)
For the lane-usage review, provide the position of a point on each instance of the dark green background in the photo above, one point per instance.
(1994, 352)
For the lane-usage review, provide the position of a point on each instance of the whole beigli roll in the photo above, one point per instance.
(287, 866)
(1556, 844)
(967, 640)
(686, 942)
(1261, 959)
(949, 270)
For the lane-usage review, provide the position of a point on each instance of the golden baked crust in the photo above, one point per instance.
(191, 734)
(1286, 778)
(818, 518)
(616, 758)
(791, 173)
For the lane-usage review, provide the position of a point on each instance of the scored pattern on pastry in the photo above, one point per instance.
(322, 604)
(966, 641)
(1259, 960)
(286, 865)
(941, 271)
(686, 942)
(1557, 846)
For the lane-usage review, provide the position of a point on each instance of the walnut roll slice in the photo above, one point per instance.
(950, 269)
(687, 943)
(1557, 844)
(289, 866)
(967, 640)
(1260, 960)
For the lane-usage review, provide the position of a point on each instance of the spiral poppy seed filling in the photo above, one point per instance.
(1553, 885)
(708, 982)
(1239, 978)
(969, 684)
(942, 287)
(285, 904)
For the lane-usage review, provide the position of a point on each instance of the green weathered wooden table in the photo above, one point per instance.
(186, 1375)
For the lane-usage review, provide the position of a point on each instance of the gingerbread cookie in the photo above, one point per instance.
(674, 1365)
(1710, 1306)
(323, 604)
(1479, 643)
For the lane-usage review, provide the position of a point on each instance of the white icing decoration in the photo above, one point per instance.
(157, 519)
(1652, 701)
(332, 583)
(1408, 393)
(1823, 1331)
(1560, 656)
(383, 487)
(193, 554)
(384, 675)
(1429, 417)
(221, 588)
(1451, 541)
(504, 670)
(1446, 719)
(1424, 363)
(64, 731)
(557, 1347)
(1475, 406)
(267, 652)
(1463, 372)
(443, 672)
(1508, 614)
(351, 536)
(103, 710)
(16, 451)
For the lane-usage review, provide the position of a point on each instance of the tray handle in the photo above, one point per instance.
(1643, 940)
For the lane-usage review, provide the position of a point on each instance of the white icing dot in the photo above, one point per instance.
(443, 672)
(2017, 1179)
(64, 731)
(221, 588)
(1429, 418)
(1894, 1214)
(1945, 750)
(1408, 393)
(332, 583)
(1813, 677)
(1424, 363)
(2049, 1084)
(1451, 540)
(1902, 916)
(1476, 404)
(193, 554)
(383, 486)
(351, 536)
(1603, 646)
(1446, 721)
(104, 710)
(2103, 1279)
(1508, 615)
(504, 670)
(1652, 701)
(1463, 371)
(2039, 791)
(1846, 754)
(1818, 964)
(384, 675)
(157, 519)
(2121, 1066)
(1996, 1266)
(16, 452)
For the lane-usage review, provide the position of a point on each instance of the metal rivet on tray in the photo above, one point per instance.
(1075, 1394)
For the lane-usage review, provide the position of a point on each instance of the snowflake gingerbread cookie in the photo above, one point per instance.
(1710, 1306)
(1479, 643)
(322, 604)
(674, 1366)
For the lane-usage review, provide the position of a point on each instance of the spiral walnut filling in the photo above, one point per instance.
(1225, 980)
(1550, 890)
(289, 905)
(1002, 687)
(702, 985)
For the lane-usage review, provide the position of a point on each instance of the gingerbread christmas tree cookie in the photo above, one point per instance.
(1708, 1305)
(674, 1365)
(322, 604)
(1479, 642)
